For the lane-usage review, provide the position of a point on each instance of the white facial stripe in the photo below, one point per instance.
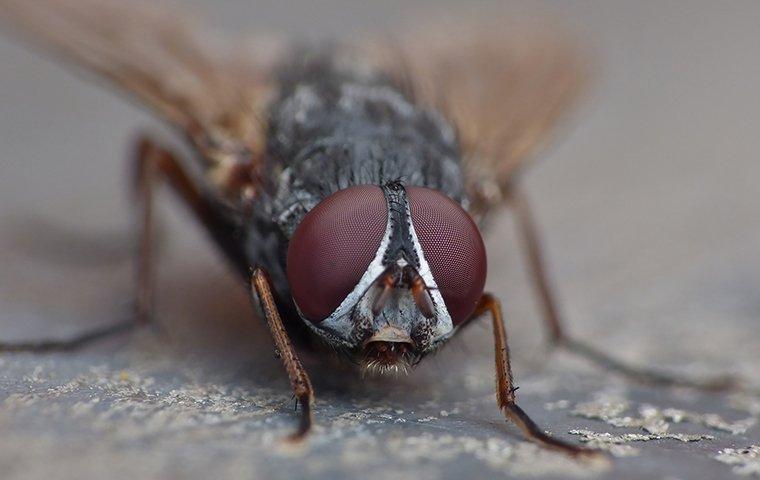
(339, 322)
(444, 325)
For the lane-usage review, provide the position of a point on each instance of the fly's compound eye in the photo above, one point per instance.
(453, 248)
(332, 248)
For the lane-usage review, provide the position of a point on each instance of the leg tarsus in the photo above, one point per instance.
(533, 432)
(305, 421)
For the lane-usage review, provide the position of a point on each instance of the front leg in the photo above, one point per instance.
(505, 389)
(261, 288)
(156, 163)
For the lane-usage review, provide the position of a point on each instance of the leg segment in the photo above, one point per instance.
(505, 390)
(299, 379)
(155, 164)
(152, 163)
(557, 333)
(535, 256)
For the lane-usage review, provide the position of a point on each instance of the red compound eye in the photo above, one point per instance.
(333, 246)
(453, 248)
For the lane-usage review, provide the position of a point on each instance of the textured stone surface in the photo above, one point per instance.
(650, 211)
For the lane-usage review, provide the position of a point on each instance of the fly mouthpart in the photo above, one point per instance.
(389, 350)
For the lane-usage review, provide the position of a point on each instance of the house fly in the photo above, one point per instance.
(346, 183)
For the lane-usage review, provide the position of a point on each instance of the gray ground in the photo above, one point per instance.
(650, 210)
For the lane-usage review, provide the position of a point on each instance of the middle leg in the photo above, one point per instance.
(558, 335)
(152, 165)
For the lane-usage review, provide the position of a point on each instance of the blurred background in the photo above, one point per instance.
(648, 202)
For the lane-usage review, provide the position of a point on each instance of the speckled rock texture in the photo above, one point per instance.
(650, 209)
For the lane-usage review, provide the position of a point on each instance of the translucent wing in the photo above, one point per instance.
(503, 83)
(155, 54)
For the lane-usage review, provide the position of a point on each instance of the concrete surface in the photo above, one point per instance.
(650, 210)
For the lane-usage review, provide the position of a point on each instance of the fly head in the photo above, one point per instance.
(386, 274)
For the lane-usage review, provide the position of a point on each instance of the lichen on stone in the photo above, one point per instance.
(613, 443)
(652, 419)
(743, 461)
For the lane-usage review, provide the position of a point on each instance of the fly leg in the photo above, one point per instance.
(299, 379)
(145, 168)
(505, 389)
(558, 336)
(152, 163)
(535, 257)
(155, 164)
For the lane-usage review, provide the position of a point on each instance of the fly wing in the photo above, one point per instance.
(156, 54)
(503, 83)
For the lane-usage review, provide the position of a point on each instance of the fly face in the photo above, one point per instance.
(386, 273)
